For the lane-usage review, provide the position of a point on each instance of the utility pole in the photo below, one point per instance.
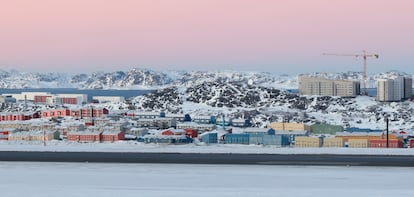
(387, 121)
(44, 135)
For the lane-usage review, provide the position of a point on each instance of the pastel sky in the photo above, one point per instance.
(279, 36)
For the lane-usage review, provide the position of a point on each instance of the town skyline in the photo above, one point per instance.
(270, 36)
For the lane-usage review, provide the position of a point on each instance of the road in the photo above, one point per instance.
(213, 158)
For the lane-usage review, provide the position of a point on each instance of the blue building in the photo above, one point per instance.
(241, 138)
(266, 139)
(209, 138)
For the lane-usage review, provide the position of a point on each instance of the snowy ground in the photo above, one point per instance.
(108, 180)
(132, 146)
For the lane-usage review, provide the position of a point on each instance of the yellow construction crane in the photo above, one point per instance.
(364, 55)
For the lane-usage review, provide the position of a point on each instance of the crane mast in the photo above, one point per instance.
(364, 56)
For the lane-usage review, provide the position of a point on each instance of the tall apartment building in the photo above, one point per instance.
(394, 89)
(328, 87)
(408, 87)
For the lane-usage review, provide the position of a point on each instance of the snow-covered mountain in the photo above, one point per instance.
(141, 78)
(138, 79)
(19, 80)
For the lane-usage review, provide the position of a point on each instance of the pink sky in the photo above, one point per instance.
(286, 36)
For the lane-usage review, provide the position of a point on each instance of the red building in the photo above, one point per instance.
(382, 143)
(41, 98)
(89, 112)
(18, 116)
(173, 132)
(84, 136)
(411, 143)
(113, 136)
(75, 113)
(4, 135)
(53, 113)
(69, 100)
(191, 133)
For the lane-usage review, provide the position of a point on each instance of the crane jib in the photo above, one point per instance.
(364, 56)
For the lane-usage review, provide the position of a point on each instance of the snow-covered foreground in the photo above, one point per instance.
(132, 146)
(108, 180)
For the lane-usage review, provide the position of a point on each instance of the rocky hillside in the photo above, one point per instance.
(263, 105)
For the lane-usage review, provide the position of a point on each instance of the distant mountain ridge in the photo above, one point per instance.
(142, 78)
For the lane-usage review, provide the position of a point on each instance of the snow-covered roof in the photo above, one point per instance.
(340, 134)
(138, 129)
(31, 133)
(175, 131)
(280, 132)
(255, 130)
(86, 132)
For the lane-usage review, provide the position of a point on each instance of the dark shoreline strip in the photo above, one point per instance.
(211, 158)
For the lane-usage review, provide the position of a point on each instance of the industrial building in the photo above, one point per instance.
(51, 99)
(333, 142)
(328, 87)
(30, 96)
(108, 99)
(7, 99)
(209, 138)
(268, 139)
(239, 138)
(358, 143)
(71, 99)
(254, 130)
(308, 142)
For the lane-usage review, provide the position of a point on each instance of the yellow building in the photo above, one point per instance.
(333, 142)
(289, 126)
(308, 142)
(33, 136)
(358, 143)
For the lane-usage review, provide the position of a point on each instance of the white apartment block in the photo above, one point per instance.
(328, 87)
(394, 89)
